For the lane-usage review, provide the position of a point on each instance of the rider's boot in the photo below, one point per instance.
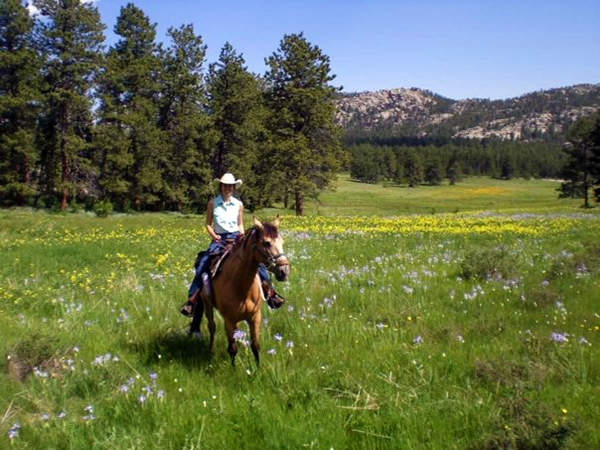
(187, 309)
(274, 300)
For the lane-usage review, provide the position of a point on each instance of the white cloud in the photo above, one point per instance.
(32, 9)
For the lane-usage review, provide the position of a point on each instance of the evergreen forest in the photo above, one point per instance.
(142, 125)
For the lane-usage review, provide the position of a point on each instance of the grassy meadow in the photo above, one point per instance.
(471, 194)
(459, 317)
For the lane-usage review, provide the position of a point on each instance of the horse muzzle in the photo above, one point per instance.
(281, 271)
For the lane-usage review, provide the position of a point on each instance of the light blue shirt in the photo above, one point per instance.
(225, 214)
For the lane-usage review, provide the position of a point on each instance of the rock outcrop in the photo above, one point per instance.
(529, 117)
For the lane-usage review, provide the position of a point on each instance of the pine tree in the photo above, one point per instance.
(236, 106)
(134, 159)
(433, 172)
(413, 169)
(71, 38)
(508, 169)
(182, 116)
(306, 138)
(595, 150)
(454, 169)
(582, 170)
(19, 103)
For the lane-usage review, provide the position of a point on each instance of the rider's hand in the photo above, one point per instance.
(217, 238)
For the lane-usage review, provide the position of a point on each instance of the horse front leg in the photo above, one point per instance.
(254, 324)
(230, 328)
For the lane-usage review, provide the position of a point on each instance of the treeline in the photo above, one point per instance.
(146, 126)
(430, 164)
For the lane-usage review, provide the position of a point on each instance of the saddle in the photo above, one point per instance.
(216, 258)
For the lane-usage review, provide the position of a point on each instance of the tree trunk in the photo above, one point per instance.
(585, 177)
(298, 203)
(65, 160)
(19, 199)
(65, 173)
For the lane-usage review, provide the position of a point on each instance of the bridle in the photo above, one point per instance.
(272, 261)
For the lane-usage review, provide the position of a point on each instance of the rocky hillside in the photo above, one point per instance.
(538, 115)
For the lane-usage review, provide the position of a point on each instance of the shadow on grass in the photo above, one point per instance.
(386, 185)
(173, 345)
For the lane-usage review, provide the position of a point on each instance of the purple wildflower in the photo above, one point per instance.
(14, 431)
(102, 360)
(278, 337)
(239, 335)
(289, 344)
(418, 340)
(584, 341)
(272, 351)
(559, 337)
(40, 373)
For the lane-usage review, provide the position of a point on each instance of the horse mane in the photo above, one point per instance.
(268, 229)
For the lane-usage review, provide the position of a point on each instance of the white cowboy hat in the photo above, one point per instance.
(228, 179)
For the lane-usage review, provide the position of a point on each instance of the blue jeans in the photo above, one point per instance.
(203, 263)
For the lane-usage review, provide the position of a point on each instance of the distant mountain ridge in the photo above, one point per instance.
(540, 115)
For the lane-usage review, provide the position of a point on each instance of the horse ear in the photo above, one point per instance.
(257, 223)
(276, 221)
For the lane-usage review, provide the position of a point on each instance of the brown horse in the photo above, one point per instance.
(237, 292)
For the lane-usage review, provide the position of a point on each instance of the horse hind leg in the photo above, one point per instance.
(230, 328)
(210, 319)
(197, 319)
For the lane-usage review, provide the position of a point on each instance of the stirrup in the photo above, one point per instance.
(275, 300)
(188, 308)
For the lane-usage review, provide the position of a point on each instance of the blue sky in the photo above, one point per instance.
(459, 49)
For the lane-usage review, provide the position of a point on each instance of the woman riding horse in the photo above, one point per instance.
(224, 221)
(237, 289)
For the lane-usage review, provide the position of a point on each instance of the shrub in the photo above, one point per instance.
(490, 263)
(103, 208)
(75, 207)
(31, 351)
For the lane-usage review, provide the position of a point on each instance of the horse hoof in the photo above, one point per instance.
(196, 335)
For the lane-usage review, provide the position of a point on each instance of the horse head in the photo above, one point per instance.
(269, 249)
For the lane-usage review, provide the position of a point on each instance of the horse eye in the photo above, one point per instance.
(267, 244)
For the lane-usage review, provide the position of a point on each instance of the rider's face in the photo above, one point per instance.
(226, 189)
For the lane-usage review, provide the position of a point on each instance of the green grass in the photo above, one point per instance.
(400, 340)
(476, 193)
